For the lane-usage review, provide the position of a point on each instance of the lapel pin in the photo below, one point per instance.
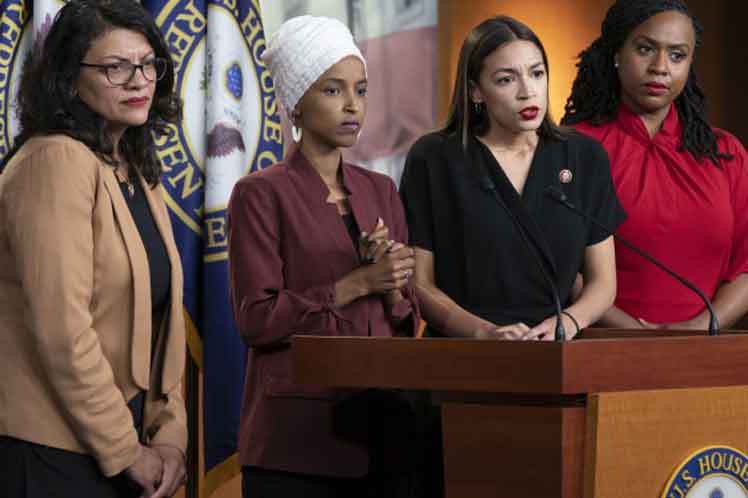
(565, 176)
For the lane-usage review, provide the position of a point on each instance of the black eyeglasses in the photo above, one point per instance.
(121, 73)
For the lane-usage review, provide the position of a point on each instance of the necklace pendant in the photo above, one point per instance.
(130, 189)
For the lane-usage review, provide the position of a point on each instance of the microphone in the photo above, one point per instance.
(557, 195)
(487, 184)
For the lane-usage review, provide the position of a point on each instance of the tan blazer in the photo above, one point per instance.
(75, 309)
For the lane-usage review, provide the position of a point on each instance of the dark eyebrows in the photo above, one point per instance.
(511, 70)
(681, 46)
(341, 81)
(119, 58)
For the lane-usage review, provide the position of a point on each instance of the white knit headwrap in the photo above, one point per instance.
(302, 50)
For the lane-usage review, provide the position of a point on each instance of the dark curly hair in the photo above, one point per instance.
(49, 104)
(596, 92)
(463, 118)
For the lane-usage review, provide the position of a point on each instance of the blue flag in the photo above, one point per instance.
(15, 46)
(231, 127)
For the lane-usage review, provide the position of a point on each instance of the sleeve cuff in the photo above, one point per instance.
(112, 465)
(735, 274)
(400, 310)
(171, 435)
(403, 313)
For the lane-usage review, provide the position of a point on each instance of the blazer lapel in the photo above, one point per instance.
(141, 331)
(360, 201)
(175, 341)
(313, 190)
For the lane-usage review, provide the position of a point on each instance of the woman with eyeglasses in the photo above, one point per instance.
(90, 278)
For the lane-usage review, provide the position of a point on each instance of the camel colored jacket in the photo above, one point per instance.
(75, 309)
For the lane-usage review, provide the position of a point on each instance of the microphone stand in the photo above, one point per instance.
(557, 195)
(560, 331)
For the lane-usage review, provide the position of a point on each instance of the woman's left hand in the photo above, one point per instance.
(175, 471)
(696, 323)
(373, 246)
(546, 330)
(368, 243)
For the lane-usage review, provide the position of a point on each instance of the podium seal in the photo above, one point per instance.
(712, 472)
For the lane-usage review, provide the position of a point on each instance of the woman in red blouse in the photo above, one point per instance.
(682, 182)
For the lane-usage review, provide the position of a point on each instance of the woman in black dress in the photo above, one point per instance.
(491, 244)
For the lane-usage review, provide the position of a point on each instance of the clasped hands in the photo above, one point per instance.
(158, 471)
(390, 264)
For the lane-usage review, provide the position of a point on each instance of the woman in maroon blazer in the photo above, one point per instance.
(316, 246)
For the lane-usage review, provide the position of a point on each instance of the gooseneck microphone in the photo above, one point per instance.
(487, 184)
(557, 195)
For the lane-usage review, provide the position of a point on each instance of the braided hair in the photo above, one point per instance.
(596, 92)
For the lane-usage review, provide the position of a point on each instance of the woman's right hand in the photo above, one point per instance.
(147, 471)
(513, 332)
(393, 266)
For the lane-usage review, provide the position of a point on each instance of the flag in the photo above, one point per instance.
(231, 127)
(23, 26)
(243, 135)
(44, 15)
(15, 46)
(182, 150)
(398, 39)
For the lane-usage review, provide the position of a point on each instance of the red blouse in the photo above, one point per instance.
(692, 216)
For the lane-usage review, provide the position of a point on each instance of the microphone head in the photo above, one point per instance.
(556, 193)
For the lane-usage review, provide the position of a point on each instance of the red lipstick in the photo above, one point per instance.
(529, 113)
(137, 101)
(656, 89)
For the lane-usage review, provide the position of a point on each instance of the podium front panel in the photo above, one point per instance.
(636, 440)
(499, 450)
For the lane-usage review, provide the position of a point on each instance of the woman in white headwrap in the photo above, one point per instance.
(316, 246)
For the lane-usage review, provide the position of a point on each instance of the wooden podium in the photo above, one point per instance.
(607, 415)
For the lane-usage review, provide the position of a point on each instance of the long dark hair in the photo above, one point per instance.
(463, 118)
(48, 101)
(596, 92)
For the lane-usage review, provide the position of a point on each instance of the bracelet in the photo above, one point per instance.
(571, 317)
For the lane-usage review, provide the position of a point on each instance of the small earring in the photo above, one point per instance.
(296, 133)
(477, 107)
(615, 64)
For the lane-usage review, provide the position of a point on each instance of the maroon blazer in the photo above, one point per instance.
(287, 248)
